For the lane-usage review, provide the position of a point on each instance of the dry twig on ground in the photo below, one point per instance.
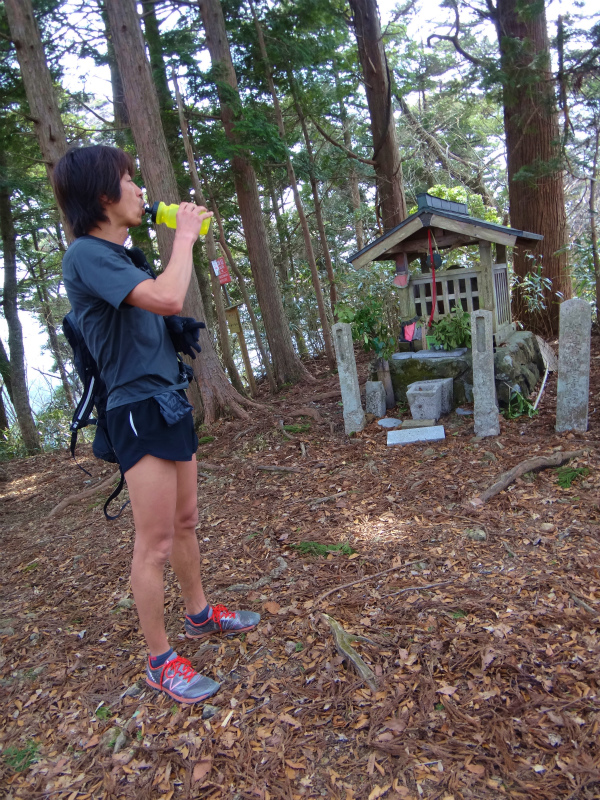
(530, 465)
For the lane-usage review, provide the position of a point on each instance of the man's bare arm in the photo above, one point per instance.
(166, 294)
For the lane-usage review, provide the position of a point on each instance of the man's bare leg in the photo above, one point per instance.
(152, 484)
(185, 553)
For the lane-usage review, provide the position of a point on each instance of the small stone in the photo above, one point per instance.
(120, 742)
(475, 439)
(499, 445)
(134, 690)
(7, 631)
(389, 422)
(209, 711)
(476, 534)
(547, 527)
(464, 412)
(109, 739)
(429, 452)
(126, 602)
(489, 456)
(290, 647)
(34, 637)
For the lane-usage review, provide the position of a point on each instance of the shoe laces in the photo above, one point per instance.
(180, 667)
(221, 612)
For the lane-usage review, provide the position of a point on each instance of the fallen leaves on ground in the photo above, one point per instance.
(486, 678)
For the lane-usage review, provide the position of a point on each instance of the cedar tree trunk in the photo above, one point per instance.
(378, 88)
(535, 180)
(18, 373)
(310, 255)
(43, 106)
(216, 393)
(286, 363)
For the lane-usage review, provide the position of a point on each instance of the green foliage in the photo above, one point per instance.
(518, 406)
(301, 428)
(368, 326)
(318, 549)
(103, 713)
(453, 330)
(533, 287)
(21, 758)
(566, 475)
(206, 439)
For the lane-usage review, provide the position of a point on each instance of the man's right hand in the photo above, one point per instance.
(189, 220)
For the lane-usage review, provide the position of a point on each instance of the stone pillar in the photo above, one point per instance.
(485, 280)
(572, 391)
(484, 386)
(375, 398)
(354, 416)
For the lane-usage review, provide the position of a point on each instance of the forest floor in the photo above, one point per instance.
(485, 651)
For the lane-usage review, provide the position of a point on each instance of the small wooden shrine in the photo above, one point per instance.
(447, 225)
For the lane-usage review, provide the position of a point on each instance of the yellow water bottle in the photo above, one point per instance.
(161, 213)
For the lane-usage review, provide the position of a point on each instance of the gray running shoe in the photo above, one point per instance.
(221, 620)
(178, 679)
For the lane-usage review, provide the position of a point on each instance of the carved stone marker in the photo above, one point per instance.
(573, 388)
(375, 398)
(484, 387)
(354, 416)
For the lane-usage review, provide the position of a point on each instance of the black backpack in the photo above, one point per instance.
(95, 396)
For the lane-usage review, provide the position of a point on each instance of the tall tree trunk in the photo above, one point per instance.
(593, 212)
(378, 88)
(5, 370)
(286, 363)
(316, 200)
(39, 279)
(535, 180)
(168, 114)
(120, 114)
(242, 284)
(352, 176)
(211, 250)
(4, 423)
(43, 106)
(18, 373)
(285, 261)
(310, 255)
(216, 393)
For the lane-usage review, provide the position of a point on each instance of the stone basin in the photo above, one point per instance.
(518, 365)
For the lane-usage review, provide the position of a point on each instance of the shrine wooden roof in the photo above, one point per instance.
(451, 226)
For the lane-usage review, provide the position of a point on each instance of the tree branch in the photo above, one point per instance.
(344, 149)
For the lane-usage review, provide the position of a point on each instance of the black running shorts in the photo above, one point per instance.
(139, 429)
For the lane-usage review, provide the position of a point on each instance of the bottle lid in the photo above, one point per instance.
(152, 210)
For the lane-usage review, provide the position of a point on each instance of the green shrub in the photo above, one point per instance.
(453, 330)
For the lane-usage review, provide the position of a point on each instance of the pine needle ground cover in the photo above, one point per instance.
(484, 648)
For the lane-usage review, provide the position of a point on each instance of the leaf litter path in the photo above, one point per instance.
(487, 681)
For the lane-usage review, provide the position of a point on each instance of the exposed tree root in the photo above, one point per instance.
(272, 576)
(366, 578)
(343, 642)
(73, 498)
(530, 465)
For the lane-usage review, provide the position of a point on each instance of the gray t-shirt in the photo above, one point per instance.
(131, 346)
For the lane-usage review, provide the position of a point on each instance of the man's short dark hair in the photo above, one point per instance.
(83, 176)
